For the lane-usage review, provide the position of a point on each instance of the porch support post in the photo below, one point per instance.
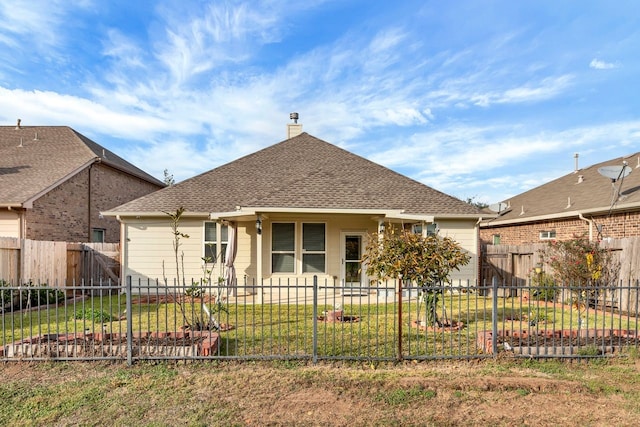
(259, 264)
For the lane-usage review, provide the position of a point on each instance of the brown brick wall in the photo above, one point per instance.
(617, 226)
(62, 213)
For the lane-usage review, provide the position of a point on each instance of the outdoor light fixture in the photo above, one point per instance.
(381, 227)
(538, 268)
(259, 225)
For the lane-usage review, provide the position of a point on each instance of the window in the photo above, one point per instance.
(313, 248)
(496, 239)
(97, 235)
(546, 235)
(216, 237)
(432, 229)
(283, 247)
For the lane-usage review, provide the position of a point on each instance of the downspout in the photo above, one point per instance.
(89, 205)
(590, 222)
(89, 189)
(479, 252)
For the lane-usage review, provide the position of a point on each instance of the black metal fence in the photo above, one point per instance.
(305, 319)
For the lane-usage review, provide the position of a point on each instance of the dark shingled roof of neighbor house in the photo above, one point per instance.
(582, 191)
(33, 159)
(301, 172)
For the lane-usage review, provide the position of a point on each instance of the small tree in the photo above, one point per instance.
(583, 267)
(195, 289)
(427, 261)
(168, 178)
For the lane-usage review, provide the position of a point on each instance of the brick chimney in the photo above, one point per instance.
(293, 129)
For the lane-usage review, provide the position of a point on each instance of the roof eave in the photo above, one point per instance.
(132, 173)
(560, 215)
(28, 203)
(151, 214)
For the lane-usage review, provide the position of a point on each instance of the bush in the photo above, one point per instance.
(28, 295)
(544, 287)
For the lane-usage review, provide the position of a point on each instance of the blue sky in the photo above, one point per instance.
(478, 99)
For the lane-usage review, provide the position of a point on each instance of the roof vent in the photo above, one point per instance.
(522, 210)
(20, 145)
(35, 138)
(293, 129)
(575, 156)
(18, 125)
(580, 178)
(568, 202)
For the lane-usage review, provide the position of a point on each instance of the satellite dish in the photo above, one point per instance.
(614, 172)
(498, 207)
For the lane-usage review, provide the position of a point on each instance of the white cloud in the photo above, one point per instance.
(601, 65)
(50, 108)
(30, 25)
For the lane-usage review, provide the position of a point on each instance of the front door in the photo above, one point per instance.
(353, 273)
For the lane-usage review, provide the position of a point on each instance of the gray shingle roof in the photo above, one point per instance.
(29, 166)
(582, 191)
(301, 172)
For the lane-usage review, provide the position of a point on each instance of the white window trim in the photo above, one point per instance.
(546, 234)
(298, 250)
(218, 242)
(304, 252)
(295, 247)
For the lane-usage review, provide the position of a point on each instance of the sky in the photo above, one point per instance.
(479, 99)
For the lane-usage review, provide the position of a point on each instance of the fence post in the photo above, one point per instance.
(129, 323)
(315, 319)
(494, 316)
(400, 319)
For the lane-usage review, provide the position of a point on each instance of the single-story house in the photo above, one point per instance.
(297, 209)
(54, 182)
(600, 201)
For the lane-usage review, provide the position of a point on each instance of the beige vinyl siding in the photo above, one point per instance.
(9, 224)
(465, 233)
(149, 243)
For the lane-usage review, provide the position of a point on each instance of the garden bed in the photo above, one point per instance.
(586, 342)
(88, 345)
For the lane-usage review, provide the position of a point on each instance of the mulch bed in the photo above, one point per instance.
(541, 340)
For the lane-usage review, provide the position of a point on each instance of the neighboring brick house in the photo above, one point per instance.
(584, 202)
(54, 182)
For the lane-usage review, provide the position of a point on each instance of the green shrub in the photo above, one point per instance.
(544, 287)
(28, 295)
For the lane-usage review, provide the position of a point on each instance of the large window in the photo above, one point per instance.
(216, 237)
(288, 250)
(283, 247)
(313, 248)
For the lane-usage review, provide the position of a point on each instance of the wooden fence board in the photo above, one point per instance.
(9, 259)
(58, 263)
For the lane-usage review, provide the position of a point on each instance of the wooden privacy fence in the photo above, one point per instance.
(511, 266)
(57, 263)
